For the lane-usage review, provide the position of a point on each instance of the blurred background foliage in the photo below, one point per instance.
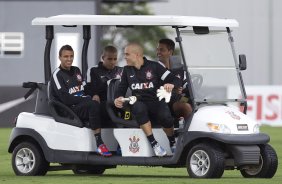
(121, 36)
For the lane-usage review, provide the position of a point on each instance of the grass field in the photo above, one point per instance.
(124, 174)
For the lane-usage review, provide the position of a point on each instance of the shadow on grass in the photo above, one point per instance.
(137, 176)
(118, 176)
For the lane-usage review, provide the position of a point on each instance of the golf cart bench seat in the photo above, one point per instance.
(62, 113)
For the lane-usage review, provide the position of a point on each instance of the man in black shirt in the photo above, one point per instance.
(67, 87)
(144, 77)
(99, 75)
(179, 107)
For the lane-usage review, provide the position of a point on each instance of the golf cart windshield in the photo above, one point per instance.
(211, 65)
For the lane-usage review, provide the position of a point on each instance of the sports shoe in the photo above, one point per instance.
(103, 150)
(159, 151)
(173, 148)
(119, 151)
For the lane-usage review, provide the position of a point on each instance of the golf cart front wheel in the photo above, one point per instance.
(28, 160)
(267, 165)
(205, 161)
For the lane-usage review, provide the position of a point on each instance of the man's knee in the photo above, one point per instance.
(182, 109)
(93, 105)
(164, 117)
(140, 112)
(139, 108)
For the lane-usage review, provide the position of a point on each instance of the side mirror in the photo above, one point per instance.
(242, 62)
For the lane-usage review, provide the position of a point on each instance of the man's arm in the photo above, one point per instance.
(94, 84)
(59, 87)
(121, 91)
(166, 76)
(122, 87)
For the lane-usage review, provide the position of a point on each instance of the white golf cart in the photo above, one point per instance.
(216, 137)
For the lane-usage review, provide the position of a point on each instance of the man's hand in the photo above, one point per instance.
(179, 90)
(119, 102)
(131, 100)
(162, 93)
(96, 98)
(168, 87)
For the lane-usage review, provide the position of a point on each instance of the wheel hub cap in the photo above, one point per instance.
(25, 160)
(200, 163)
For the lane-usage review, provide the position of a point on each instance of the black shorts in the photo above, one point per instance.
(89, 111)
(174, 98)
(155, 111)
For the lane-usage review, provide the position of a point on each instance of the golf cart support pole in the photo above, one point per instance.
(179, 40)
(47, 65)
(242, 86)
(86, 37)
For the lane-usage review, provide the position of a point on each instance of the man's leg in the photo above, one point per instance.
(147, 128)
(91, 110)
(182, 109)
(165, 119)
(106, 121)
(95, 122)
(140, 112)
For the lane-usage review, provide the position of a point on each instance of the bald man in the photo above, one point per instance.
(144, 77)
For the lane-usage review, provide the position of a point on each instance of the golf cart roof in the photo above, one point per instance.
(140, 20)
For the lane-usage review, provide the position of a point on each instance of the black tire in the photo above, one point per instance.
(89, 170)
(28, 160)
(268, 164)
(205, 161)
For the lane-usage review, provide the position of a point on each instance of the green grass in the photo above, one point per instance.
(124, 174)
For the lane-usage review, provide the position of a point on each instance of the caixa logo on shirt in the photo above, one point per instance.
(145, 85)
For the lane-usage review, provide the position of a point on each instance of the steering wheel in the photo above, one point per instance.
(197, 81)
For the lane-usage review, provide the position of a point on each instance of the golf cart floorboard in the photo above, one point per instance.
(119, 160)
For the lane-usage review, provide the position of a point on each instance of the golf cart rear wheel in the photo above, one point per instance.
(205, 161)
(28, 160)
(267, 165)
(95, 170)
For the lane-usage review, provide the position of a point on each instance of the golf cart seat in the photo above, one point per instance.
(62, 113)
(112, 110)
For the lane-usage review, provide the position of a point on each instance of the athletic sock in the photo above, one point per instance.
(99, 140)
(171, 140)
(152, 140)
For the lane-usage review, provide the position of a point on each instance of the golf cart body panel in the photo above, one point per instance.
(134, 142)
(57, 135)
(227, 119)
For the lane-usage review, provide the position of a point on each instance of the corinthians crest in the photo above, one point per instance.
(79, 78)
(233, 115)
(149, 74)
(134, 147)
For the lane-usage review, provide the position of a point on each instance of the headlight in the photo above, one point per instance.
(219, 128)
(256, 128)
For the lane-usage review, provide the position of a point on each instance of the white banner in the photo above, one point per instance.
(264, 103)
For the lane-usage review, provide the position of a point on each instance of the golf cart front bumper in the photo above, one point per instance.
(243, 149)
(236, 139)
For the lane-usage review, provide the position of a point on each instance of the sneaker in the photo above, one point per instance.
(103, 150)
(119, 151)
(159, 151)
(173, 148)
